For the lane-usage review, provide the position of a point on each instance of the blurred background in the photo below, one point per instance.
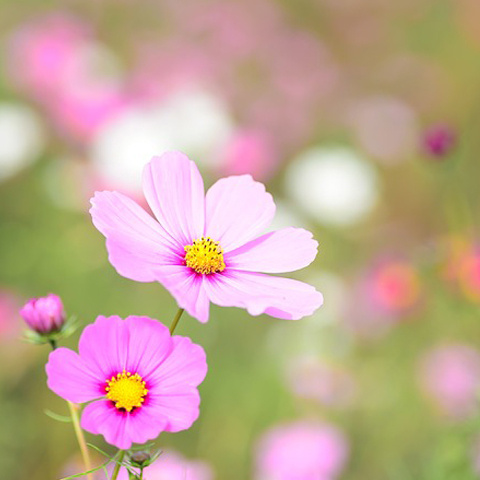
(362, 118)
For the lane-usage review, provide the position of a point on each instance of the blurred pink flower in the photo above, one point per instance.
(393, 286)
(314, 379)
(47, 46)
(301, 451)
(9, 305)
(206, 248)
(44, 315)
(450, 376)
(173, 466)
(139, 380)
(252, 152)
(439, 140)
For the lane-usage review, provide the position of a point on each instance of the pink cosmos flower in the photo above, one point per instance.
(44, 314)
(301, 451)
(207, 248)
(140, 380)
(450, 376)
(173, 466)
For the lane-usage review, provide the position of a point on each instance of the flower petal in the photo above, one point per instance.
(120, 428)
(181, 407)
(284, 250)
(104, 346)
(174, 190)
(70, 378)
(136, 243)
(185, 366)
(276, 296)
(150, 343)
(187, 288)
(237, 210)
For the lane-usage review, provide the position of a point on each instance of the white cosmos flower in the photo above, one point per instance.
(22, 138)
(193, 122)
(333, 185)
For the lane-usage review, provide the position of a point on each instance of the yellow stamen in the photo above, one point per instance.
(205, 256)
(126, 390)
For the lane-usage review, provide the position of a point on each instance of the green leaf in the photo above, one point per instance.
(56, 416)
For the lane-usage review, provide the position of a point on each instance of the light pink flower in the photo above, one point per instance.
(44, 314)
(207, 248)
(140, 380)
(173, 466)
(450, 376)
(301, 451)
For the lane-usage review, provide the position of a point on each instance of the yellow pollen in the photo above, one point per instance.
(127, 391)
(205, 256)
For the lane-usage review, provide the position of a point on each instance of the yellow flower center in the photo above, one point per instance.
(126, 390)
(205, 256)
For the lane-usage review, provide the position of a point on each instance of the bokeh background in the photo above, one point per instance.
(362, 117)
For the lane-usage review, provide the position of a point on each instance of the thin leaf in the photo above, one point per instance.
(56, 416)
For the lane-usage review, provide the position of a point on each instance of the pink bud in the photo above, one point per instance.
(44, 314)
(439, 140)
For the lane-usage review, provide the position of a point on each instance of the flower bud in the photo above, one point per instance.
(44, 315)
(439, 140)
(140, 459)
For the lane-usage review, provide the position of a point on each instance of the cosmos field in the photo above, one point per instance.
(361, 118)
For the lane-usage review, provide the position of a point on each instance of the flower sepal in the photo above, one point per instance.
(52, 338)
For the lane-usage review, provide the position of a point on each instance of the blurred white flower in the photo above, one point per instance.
(193, 122)
(22, 138)
(334, 185)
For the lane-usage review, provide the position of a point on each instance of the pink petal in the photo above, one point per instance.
(185, 366)
(238, 210)
(121, 428)
(104, 346)
(136, 243)
(285, 250)
(181, 407)
(276, 296)
(150, 343)
(187, 288)
(70, 378)
(174, 190)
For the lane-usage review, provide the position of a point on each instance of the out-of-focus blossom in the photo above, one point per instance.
(139, 380)
(333, 185)
(206, 248)
(173, 466)
(44, 315)
(393, 287)
(74, 78)
(462, 266)
(438, 140)
(9, 306)
(301, 450)
(311, 378)
(450, 377)
(47, 46)
(194, 122)
(22, 138)
(385, 127)
(250, 152)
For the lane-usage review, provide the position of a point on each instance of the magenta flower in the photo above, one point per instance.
(301, 451)
(44, 315)
(207, 248)
(140, 380)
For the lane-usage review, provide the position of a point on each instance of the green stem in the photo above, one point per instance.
(80, 438)
(78, 430)
(175, 321)
(118, 465)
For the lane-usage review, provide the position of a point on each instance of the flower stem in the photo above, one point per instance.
(80, 438)
(118, 465)
(78, 430)
(175, 321)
